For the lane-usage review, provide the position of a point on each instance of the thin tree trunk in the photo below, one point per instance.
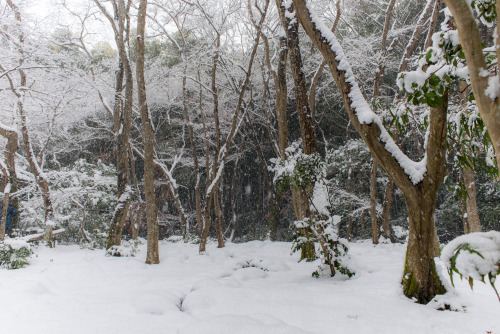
(6, 186)
(135, 213)
(373, 203)
(40, 177)
(153, 255)
(379, 74)
(473, 222)
(234, 128)
(349, 192)
(218, 223)
(122, 116)
(300, 198)
(471, 42)
(362, 222)
(386, 211)
(10, 152)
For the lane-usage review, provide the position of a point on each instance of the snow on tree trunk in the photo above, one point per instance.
(419, 181)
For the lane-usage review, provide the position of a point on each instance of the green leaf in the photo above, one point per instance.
(434, 80)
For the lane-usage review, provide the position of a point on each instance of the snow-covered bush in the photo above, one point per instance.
(84, 196)
(14, 253)
(307, 173)
(331, 249)
(128, 248)
(474, 256)
(298, 170)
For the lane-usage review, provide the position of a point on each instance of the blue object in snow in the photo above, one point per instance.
(11, 212)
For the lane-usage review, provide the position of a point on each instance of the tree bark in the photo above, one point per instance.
(420, 279)
(373, 203)
(122, 115)
(291, 28)
(472, 223)
(470, 39)
(386, 211)
(148, 136)
(10, 154)
(5, 203)
(234, 128)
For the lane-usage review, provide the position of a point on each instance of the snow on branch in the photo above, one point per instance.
(365, 115)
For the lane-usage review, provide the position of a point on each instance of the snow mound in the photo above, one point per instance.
(474, 255)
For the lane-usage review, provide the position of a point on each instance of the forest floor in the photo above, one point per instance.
(255, 287)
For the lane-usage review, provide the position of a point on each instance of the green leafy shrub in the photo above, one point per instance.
(14, 253)
(474, 256)
(307, 173)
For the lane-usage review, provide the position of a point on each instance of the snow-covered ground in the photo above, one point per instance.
(256, 287)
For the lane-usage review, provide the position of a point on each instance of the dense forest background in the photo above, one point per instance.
(212, 96)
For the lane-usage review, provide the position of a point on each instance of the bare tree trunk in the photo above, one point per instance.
(218, 223)
(432, 26)
(317, 75)
(5, 203)
(373, 203)
(122, 115)
(40, 177)
(349, 192)
(153, 255)
(473, 224)
(470, 39)
(386, 211)
(234, 128)
(136, 210)
(291, 27)
(10, 152)
(379, 74)
(362, 222)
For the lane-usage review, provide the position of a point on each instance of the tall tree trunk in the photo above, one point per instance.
(135, 213)
(218, 220)
(470, 39)
(473, 224)
(386, 210)
(234, 128)
(349, 192)
(40, 177)
(122, 115)
(362, 222)
(10, 152)
(306, 122)
(373, 203)
(6, 192)
(420, 279)
(148, 135)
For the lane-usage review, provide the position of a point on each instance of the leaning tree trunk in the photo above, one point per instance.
(148, 135)
(420, 280)
(470, 39)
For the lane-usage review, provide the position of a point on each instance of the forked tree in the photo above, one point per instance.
(419, 181)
